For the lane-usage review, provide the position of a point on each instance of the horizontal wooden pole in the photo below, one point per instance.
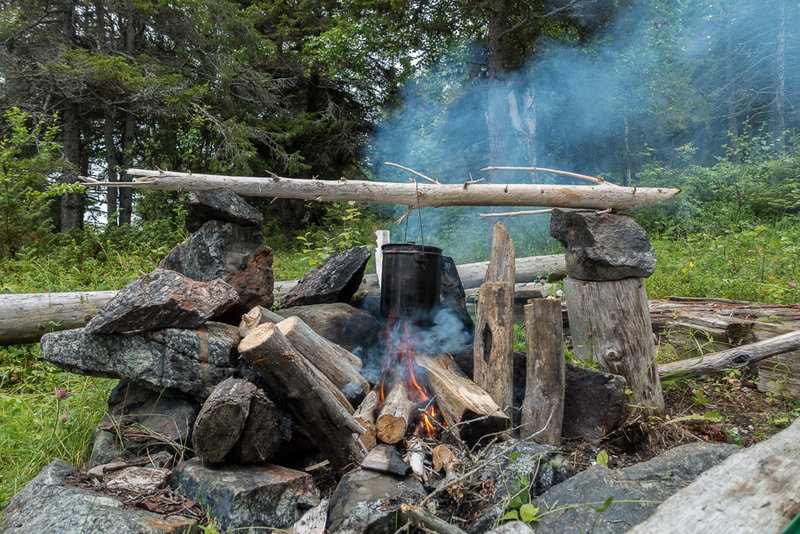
(600, 196)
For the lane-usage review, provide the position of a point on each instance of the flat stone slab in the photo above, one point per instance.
(46, 504)
(335, 280)
(636, 491)
(192, 361)
(219, 205)
(594, 403)
(239, 497)
(602, 247)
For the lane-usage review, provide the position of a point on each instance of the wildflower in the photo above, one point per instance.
(683, 270)
(792, 284)
(691, 264)
(62, 394)
(47, 289)
(64, 417)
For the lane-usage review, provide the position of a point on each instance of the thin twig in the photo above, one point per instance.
(594, 179)
(515, 213)
(403, 216)
(412, 171)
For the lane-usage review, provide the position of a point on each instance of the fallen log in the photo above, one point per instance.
(24, 318)
(395, 415)
(468, 410)
(413, 195)
(311, 397)
(543, 406)
(752, 491)
(734, 358)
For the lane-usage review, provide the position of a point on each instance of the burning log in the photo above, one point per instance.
(393, 420)
(468, 410)
(328, 357)
(543, 407)
(600, 196)
(494, 342)
(365, 415)
(312, 398)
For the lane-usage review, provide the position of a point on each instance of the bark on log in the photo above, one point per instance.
(395, 415)
(311, 397)
(494, 343)
(601, 196)
(734, 358)
(531, 269)
(221, 419)
(333, 360)
(543, 407)
(24, 318)
(365, 414)
(752, 491)
(610, 323)
(469, 411)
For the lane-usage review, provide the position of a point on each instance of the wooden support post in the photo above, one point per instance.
(313, 399)
(610, 323)
(543, 407)
(494, 343)
(382, 237)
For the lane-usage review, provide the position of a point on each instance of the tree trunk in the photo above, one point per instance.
(610, 324)
(601, 196)
(125, 193)
(780, 67)
(111, 161)
(543, 407)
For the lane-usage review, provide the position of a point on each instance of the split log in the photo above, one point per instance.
(395, 415)
(494, 343)
(734, 358)
(752, 491)
(502, 262)
(543, 407)
(365, 415)
(256, 317)
(25, 318)
(222, 418)
(600, 196)
(262, 435)
(311, 397)
(469, 411)
(385, 459)
(610, 324)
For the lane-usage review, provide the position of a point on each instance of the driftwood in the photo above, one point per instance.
(311, 397)
(395, 415)
(24, 318)
(734, 358)
(752, 491)
(610, 323)
(494, 343)
(365, 415)
(327, 357)
(600, 196)
(543, 407)
(468, 410)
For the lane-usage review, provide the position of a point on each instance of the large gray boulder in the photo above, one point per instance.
(577, 505)
(219, 205)
(363, 496)
(603, 246)
(247, 498)
(237, 254)
(335, 280)
(162, 299)
(46, 504)
(192, 361)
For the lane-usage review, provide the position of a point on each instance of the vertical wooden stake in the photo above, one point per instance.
(382, 237)
(543, 407)
(610, 323)
(494, 343)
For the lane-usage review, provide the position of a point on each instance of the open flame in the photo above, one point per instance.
(398, 364)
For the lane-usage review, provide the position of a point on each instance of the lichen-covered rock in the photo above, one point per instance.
(219, 205)
(47, 504)
(192, 361)
(603, 246)
(247, 498)
(237, 254)
(162, 299)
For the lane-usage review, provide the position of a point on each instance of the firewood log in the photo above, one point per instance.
(366, 415)
(311, 397)
(393, 420)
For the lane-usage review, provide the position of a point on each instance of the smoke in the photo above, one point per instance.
(652, 81)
